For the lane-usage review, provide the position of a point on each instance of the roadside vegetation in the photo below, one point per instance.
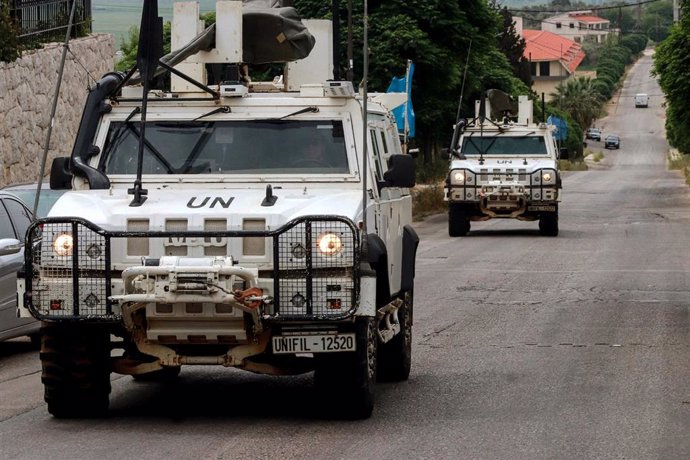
(50, 27)
(672, 67)
(568, 165)
(679, 162)
(9, 43)
(597, 156)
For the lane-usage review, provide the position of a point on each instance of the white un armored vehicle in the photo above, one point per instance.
(236, 224)
(503, 169)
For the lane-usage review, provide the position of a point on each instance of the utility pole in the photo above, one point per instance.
(676, 12)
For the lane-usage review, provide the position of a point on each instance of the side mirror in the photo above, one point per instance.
(563, 153)
(60, 176)
(413, 152)
(9, 246)
(401, 172)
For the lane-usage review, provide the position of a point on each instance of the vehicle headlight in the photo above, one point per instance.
(546, 177)
(459, 177)
(330, 244)
(63, 244)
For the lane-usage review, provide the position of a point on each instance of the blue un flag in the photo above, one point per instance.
(404, 85)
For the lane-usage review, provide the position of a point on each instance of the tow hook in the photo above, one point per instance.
(252, 297)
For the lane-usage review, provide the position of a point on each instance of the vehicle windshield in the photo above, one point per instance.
(228, 147)
(504, 145)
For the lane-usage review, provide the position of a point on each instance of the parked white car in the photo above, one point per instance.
(15, 218)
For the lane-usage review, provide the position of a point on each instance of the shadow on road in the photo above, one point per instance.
(17, 347)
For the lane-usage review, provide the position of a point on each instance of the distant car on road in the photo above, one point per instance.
(15, 218)
(593, 134)
(641, 100)
(612, 141)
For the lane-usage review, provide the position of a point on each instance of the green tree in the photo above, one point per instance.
(9, 43)
(513, 45)
(657, 19)
(580, 99)
(436, 36)
(672, 67)
(621, 18)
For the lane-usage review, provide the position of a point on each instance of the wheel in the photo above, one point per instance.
(395, 357)
(548, 224)
(35, 340)
(458, 224)
(345, 382)
(167, 374)
(76, 369)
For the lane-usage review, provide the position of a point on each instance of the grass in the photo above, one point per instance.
(567, 165)
(680, 162)
(597, 156)
(427, 200)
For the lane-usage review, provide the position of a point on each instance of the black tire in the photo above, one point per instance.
(548, 224)
(35, 340)
(395, 357)
(458, 223)
(167, 374)
(76, 369)
(345, 382)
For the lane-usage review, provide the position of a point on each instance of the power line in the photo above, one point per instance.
(626, 5)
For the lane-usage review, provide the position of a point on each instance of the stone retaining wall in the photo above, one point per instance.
(27, 87)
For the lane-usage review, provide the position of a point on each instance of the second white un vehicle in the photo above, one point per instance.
(503, 169)
(239, 235)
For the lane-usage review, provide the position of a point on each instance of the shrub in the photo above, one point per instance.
(427, 200)
(603, 87)
(9, 43)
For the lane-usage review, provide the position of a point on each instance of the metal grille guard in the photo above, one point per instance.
(477, 184)
(67, 288)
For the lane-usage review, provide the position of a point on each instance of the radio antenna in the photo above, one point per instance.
(456, 130)
(68, 34)
(365, 127)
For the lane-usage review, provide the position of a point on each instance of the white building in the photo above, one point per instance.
(579, 26)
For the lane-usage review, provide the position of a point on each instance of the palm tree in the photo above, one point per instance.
(578, 97)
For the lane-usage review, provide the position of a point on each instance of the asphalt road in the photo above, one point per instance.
(524, 346)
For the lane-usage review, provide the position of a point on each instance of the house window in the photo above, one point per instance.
(577, 39)
(533, 66)
(544, 69)
(558, 25)
(572, 26)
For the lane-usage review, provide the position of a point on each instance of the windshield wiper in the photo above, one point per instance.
(311, 109)
(223, 109)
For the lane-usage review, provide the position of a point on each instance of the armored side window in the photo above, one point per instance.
(377, 154)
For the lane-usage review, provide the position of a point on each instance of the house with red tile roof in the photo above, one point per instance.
(579, 26)
(553, 59)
